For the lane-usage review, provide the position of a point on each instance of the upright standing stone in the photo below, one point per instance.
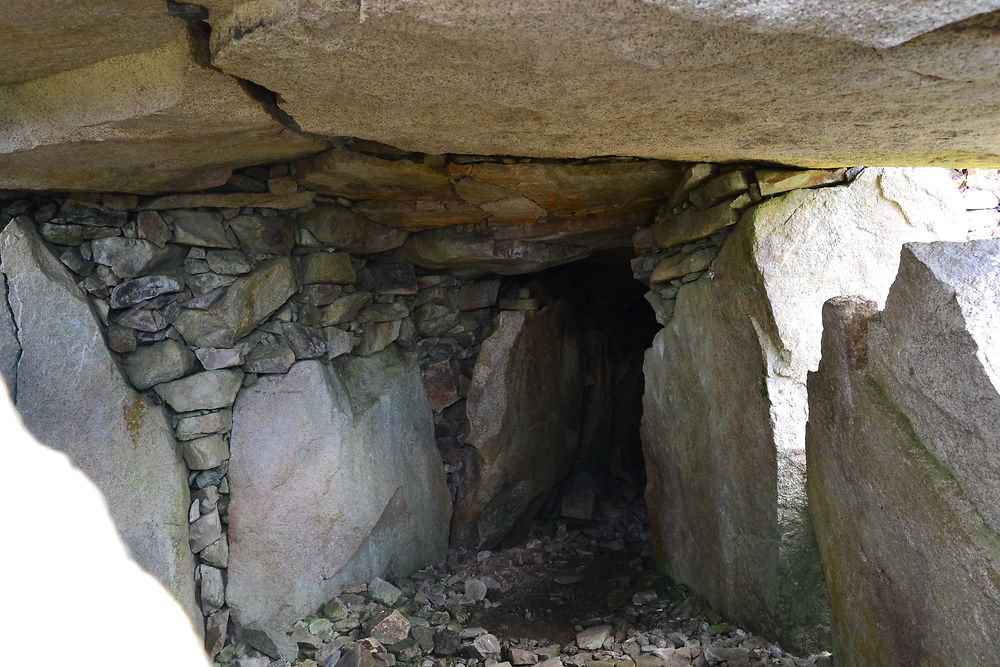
(335, 479)
(904, 476)
(524, 422)
(725, 404)
(73, 397)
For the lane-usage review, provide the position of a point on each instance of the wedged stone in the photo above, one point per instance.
(216, 553)
(228, 262)
(73, 397)
(774, 181)
(67, 234)
(212, 358)
(425, 213)
(215, 632)
(306, 342)
(133, 257)
(475, 254)
(721, 187)
(150, 226)
(269, 359)
(263, 235)
(335, 479)
(326, 267)
(151, 118)
(145, 320)
(197, 425)
(197, 228)
(904, 425)
(524, 434)
(212, 591)
(439, 383)
(340, 227)
(725, 456)
(206, 452)
(142, 289)
(207, 390)
(204, 531)
(393, 278)
(249, 301)
(74, 211)
(384, 312)
(567, 188)
(692, 224)
(344, 309)
(231, 200)
(378, 336)
(358, 176)
(481, 294)
(160, 362)
(680, 265)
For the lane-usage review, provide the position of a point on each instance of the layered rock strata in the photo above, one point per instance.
(725, 403)
(904, 421)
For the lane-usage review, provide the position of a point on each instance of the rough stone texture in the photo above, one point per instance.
(725, 403)
(206, 390)
(903, 433)
(247, 303)
(160, 362)
(136, 122)
(73, 397)
(523, 408)
(335, 478)
(812, 84)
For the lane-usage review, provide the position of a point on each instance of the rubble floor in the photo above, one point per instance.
(576, 593)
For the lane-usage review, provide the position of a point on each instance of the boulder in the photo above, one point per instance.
(524, 422)
(814, 84)
(724, 409)
(146, 121)
(74, 398)
(904, 427)
(335, 479)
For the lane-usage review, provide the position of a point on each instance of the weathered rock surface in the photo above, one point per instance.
(725, 402)
(73, 397)
(904, 426)
(247, 303)
(524, 410)
(145, 121)
(335, 478)
(875, 84)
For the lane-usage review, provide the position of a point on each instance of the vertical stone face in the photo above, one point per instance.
(725, 404)
(524, 414)
(334, 479)
(903, 436)
(73, 397)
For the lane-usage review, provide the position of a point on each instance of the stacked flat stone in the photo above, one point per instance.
(694, 222)
(199, 302)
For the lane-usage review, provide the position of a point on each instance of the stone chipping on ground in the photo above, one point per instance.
(575, 594)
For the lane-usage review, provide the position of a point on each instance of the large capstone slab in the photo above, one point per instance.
(807, 83)
(904, 429)
(73, 397)
(524, 422)
(335, 479)
(725, 403)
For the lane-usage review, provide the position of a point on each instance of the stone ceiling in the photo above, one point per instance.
(149, 96)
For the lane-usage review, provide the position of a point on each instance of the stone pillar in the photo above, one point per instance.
(725, 404)
(904, 476)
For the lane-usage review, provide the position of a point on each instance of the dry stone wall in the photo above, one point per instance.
(258, 296)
